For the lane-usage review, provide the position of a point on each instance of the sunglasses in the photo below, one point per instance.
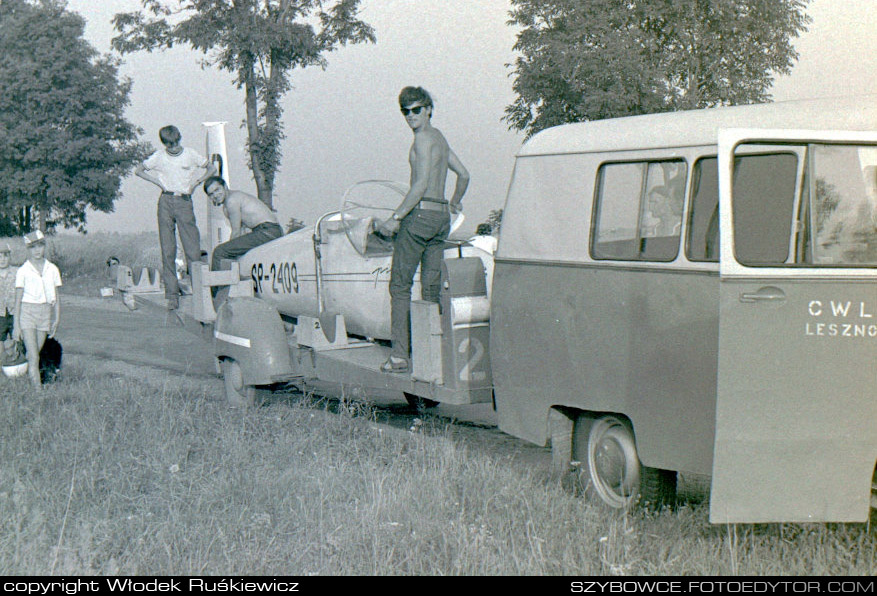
(415, 109)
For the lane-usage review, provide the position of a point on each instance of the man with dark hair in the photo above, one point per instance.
(421, 223)
(243, 211)
(177, 171)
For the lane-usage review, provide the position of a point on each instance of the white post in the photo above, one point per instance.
(220, 230)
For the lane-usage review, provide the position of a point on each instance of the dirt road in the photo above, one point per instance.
(105, 328)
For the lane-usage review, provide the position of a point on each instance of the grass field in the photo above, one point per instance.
(119, 469)
(123, 470)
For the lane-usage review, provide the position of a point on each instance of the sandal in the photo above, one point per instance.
(395, 365)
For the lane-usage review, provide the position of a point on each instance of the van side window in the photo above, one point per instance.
(639, 211)
(703, 223)
(763, 207)
(838, 220)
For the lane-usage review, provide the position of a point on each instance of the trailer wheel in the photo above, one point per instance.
(612, 468)
(420, 403)
(237, 394)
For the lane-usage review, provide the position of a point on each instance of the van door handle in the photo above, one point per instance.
(766, 294)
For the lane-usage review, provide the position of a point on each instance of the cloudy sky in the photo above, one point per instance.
(343, 124)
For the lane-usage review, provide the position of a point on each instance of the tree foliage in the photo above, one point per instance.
(64, 142)
(591, 59)
(260, 41)
(294, 225)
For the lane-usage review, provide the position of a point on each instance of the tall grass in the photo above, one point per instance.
(82, 258)
(80, 255)
(124, 470)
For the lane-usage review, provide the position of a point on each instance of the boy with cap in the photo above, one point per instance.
(37, 305)
(7, 292)
(7, 302)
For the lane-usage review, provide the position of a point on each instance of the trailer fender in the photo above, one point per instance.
(251, 332)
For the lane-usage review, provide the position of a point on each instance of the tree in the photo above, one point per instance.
(294, 225)
(64, 142)
(493, 221)
(260, 41)
(591, 59)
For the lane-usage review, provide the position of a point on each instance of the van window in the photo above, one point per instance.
(833, 222)
(638, 211)
(703, 223)
(764, 199)
(839, 210)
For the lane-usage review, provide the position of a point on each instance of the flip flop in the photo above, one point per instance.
(393, 365)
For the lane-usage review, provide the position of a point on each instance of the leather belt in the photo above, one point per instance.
(176, 194)
(433, 205)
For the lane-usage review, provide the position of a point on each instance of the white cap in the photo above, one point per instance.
(34, 237)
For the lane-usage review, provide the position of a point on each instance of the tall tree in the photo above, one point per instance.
(64, 142)
(260, 41)
(591, 59)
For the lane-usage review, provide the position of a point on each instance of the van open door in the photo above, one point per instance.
(796, 416)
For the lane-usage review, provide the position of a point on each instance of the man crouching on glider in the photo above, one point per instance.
(243, 211)
(422, 222)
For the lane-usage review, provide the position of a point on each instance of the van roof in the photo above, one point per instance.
(700, 127)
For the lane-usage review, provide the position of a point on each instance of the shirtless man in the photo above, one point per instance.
(243, 211)
(422, 222)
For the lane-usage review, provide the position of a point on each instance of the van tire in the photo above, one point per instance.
(610, 468)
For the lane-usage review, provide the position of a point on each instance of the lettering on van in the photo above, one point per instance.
(278, 278)
(841, 318)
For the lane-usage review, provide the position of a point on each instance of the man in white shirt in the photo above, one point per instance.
(177, 170)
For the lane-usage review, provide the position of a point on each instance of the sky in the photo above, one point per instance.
(343, 126)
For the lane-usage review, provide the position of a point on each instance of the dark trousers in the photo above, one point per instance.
(419, 241)
(176, 212)
(7, 323)
(264, 232)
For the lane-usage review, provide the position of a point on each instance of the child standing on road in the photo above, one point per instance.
(7, 302)
(7, 292)
(37, 305)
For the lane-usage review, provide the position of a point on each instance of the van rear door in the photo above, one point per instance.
(796, 416)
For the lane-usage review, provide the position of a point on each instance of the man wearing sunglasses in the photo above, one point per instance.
(421, 223)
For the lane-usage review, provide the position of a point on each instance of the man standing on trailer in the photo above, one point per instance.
(243, 211)
(422, 222)
(177, 171)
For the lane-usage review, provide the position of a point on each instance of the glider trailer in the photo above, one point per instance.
(689, 292)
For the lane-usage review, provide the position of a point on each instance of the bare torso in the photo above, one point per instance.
(246, 210)
(438, 151)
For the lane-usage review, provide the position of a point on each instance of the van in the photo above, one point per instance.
(697, 292)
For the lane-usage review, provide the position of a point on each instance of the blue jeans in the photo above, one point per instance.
(419, 241)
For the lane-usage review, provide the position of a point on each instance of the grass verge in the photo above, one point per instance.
(125, 470)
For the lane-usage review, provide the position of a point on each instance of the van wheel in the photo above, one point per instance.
(420, 403)
(237, 394)
(611, 468)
